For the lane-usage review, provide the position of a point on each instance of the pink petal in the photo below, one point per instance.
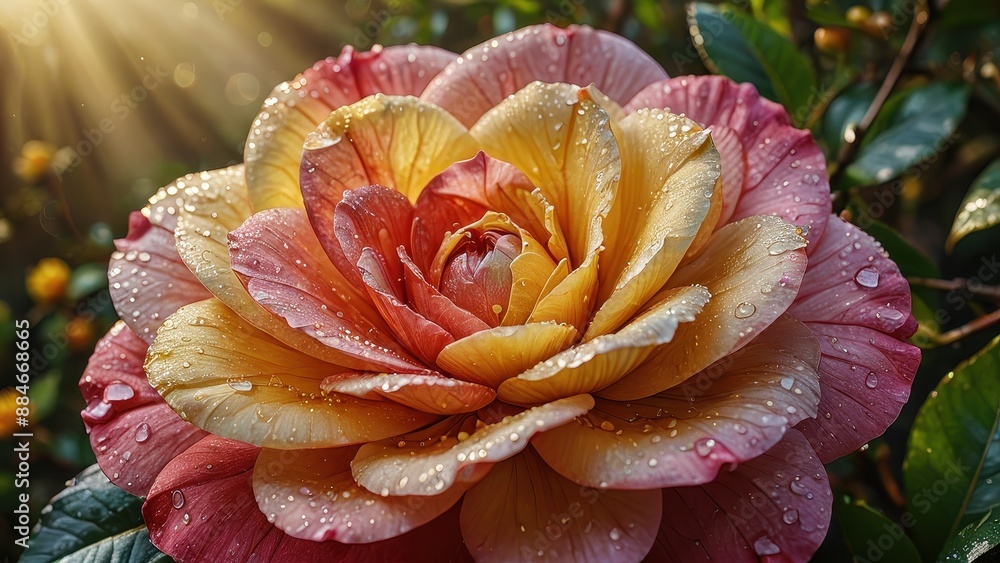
(857, 303)
(146, 277)
(371, 225)
(462, 194)
(433, 393)
(288, 273)
(487, 73)
(312, 496)
(294, 109)
(403, 70)
(133, 432)
(729, 413)
(785, 170)
(202, 508)
(773, 508)
(523, 510)
(437, 308)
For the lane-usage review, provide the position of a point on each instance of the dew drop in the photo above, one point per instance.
(704, 446)
(745, 310)
(790, 517)
(867, 277)
(764, 546)
(142, 433)
(177, 499)
(782, 246)
(871, 381)
(615, 534)
(241, 385)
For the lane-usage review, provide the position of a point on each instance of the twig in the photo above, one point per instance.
(885, 474)
(990, 292)
(978, 324)
(849, 149)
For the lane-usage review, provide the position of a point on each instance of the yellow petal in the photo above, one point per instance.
(669, 171)
(753, 269)
(274, 146)
(595, 364)
(563, 142)
(731, 412)
(525, 511)
(237, 382)
(492, 356)
(221, 204)
(398, 142)
(311, 495)
(433, 463)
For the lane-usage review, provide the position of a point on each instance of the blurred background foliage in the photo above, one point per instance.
(104, 101)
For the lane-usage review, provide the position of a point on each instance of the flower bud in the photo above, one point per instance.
(477, 276)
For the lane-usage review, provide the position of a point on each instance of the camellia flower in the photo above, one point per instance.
(537, 302)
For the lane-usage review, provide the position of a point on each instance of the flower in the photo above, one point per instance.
(47, 281)
(34, 161)
(510, 305)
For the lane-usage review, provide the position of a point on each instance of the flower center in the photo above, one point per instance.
(477, 276)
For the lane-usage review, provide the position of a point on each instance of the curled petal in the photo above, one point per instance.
(202, 508)
(429, 466)
(287, 272)
(217, 204)
(437, 308)
(430, 393)
(463, 193)
(237, 382)
(146, 278)
(311, 495)
(569, 153)
(542, 516)
(775, 507)
(492, 356)
(858, 306)
(133, 432)
(729, 413)
(293, 110)
(669, 171)
(397, 142)
(753, 269)
(785, 171)
(597, 363)
(487, 73)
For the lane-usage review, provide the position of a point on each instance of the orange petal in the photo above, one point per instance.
(565, 146)
(669, 171)
(310, 494)
(432, 393)
(753, 269)
(492, 356)
(525, 510)
(597, 363)
(433, 463)
(237, 382)
(729, 413)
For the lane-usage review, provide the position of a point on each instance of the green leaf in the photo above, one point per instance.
(952, 466)
(928, 329)
(910, 129)
(87, 279)
(733, 44)
(974, 540)
(871, 536)
(92, 520)
(847, 108)
(981, 208)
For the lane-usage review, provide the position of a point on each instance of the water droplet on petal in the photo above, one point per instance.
(142, 433)
(704, 446)
(745, 310)
(867, 277)
(177, 499)
(615, 534)
(241, 385)
(871, 381)
(790, 517)
(764, 546)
